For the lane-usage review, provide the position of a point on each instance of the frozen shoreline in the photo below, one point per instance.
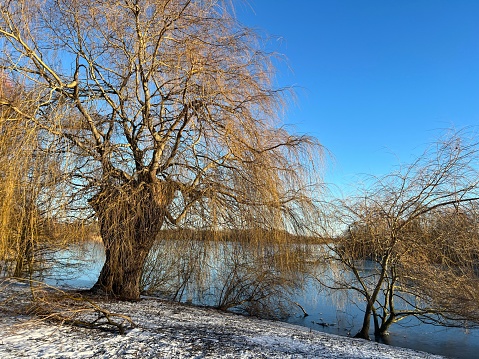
(173, 330)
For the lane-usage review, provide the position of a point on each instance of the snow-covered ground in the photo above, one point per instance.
(172, 330)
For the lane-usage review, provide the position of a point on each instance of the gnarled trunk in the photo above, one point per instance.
(123, 268)
(130, 217)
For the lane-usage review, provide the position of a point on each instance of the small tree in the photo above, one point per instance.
(167, 113)
(392, 226)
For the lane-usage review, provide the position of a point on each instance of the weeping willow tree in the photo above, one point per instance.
(169, 112)
(14, 222)
(27, 175)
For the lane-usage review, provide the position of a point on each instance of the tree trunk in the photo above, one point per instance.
(130, 219)
(122, 270)
(364, 332)
(24, 257)
(383, 330)
(371, 299)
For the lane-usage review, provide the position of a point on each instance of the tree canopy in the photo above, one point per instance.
(165, 113)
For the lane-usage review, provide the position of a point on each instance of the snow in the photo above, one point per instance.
(172, 330)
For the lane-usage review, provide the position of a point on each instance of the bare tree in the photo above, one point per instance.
(397, 249)
(167, 112)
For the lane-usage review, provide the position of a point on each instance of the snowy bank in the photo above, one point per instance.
(172, 330)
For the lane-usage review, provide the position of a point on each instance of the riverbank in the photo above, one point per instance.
(172, 330)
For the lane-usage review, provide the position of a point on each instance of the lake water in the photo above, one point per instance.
(332, 315)
(345, 319)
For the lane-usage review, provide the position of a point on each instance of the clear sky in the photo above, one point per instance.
(376, 80)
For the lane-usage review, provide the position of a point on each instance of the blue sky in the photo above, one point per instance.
(376, 80)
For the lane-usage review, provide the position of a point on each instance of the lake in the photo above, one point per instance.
(335, 315)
